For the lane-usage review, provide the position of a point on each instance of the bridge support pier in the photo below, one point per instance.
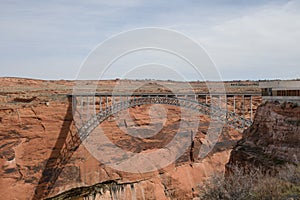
(100, 104)
(244, 111)
(106, 106)
(251, 109)
(234, 103)
(94, 106)
(226, 107)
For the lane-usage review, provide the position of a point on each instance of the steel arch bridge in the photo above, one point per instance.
(108, 106)
(230, 118)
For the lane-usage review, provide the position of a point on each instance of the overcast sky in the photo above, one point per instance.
(246, 39)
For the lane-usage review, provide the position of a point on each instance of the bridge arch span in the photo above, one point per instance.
(230, 118)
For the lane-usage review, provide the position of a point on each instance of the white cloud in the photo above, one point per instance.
(257, 39)
(264, 43)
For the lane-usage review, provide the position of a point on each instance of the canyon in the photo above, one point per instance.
(36, 118)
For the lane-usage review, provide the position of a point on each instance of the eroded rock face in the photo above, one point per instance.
(274, 137)
(30, 133)
(177, 180)
(35, 119)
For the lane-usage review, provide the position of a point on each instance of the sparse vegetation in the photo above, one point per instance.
(253, 184)
(293, 122)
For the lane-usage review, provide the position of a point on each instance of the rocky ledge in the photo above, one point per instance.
(272, 140)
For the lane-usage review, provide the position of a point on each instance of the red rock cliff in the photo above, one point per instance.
(35, 119)
(273, 138)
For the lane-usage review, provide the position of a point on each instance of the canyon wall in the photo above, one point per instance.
(30, 132)
(273, 139)
(36, 118)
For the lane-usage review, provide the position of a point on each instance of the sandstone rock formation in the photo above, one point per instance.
(35, 119)
(273, 139)
(30, 133)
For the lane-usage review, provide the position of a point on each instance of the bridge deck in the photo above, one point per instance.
(164, 94)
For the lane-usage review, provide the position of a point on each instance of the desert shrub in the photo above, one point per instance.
(237, 185)
(274, 188)
(253, 184)
(290, 173)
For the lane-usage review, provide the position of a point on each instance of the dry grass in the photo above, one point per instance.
(253, 185)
